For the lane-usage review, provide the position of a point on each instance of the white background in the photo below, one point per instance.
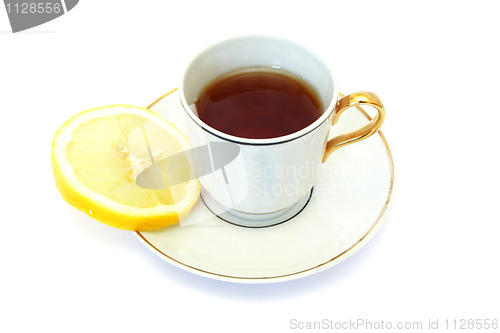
(436, 65)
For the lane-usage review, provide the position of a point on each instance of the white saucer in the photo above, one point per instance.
(346, 209)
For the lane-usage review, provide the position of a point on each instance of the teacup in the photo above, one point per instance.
(266, 181)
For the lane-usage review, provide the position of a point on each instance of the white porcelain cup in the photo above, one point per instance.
(262, 182)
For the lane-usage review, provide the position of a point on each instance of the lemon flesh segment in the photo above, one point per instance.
(97, 155)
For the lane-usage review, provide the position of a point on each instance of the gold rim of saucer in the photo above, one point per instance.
(376, 223)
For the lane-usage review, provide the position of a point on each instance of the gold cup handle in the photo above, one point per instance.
(359, 98)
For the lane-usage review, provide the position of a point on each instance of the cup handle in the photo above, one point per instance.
(360, 98)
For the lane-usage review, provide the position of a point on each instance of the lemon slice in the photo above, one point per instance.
(98, 154)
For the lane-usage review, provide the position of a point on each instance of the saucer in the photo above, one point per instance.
(346, 208)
